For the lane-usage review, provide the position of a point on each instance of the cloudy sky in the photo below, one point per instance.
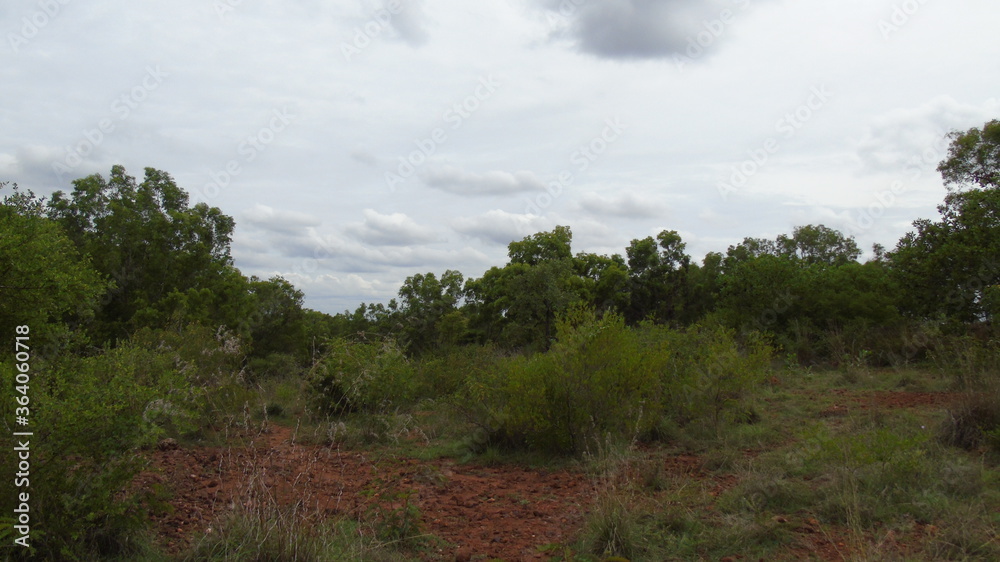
(358, 142)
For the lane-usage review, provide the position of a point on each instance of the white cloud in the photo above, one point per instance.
(501, 227)
(915, 137)
(280, 221)
(411, 22)
(457, 181)
(626, 205)
(396, 229)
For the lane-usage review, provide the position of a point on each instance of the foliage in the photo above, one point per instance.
(45, 282)
(973, 157)
(602, 379)
(148, 240)
(658, 272)
(708, 373)
(595, 380)
(368, 376)
(947, 267)
(428, 312)
(517, 305)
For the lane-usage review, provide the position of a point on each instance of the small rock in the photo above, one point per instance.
(463, 554)
(167, 444)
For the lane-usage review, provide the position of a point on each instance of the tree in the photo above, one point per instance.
(973, 158)
(542, 247)
(950, 267)
(818, 245)
(45, 283)
(603, 281)
(147, 239)
(518, 304)
(425, 303)
(658, 270)
(703, 288)
(810, 244)
(946, 267)
(277, 321)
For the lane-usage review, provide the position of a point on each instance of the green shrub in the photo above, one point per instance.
(603, 379)
(275, 365)
(444, 375)
(708, 373)
(93, 416)
(89, 418)
(970, 362)
(361, 376)
(595, 380)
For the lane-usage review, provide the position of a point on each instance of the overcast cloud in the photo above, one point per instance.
(358, 142)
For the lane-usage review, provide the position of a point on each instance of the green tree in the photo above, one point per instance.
(603, 281)
(147, 239)
(658, 270)
(542, 247)
(818, 245)
(517, 305)
(761, 293)
(425, 303)
(946, 266)
(973, 158)
(277, 321)
(45, 283)
(703, 288)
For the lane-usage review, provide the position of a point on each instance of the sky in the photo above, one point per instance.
(359, 142)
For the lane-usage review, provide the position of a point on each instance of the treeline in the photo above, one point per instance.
(91, 268)
(807, 288)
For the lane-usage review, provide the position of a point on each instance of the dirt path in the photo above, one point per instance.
(501, 512)
(847, 400)
(505, 512)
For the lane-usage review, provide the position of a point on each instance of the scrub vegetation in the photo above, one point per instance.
(782, 400)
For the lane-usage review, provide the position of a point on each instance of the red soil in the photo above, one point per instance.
(501, 512)
(504, 512)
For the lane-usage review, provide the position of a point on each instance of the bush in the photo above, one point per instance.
(971, 362)
(444, 375)
(275, 365)
(708, 373)
(603, 379)
(367, 376)
(974, 421)
(595, 380)
(91, 419)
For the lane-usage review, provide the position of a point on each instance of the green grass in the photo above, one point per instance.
(858, 474)
(867, 477)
